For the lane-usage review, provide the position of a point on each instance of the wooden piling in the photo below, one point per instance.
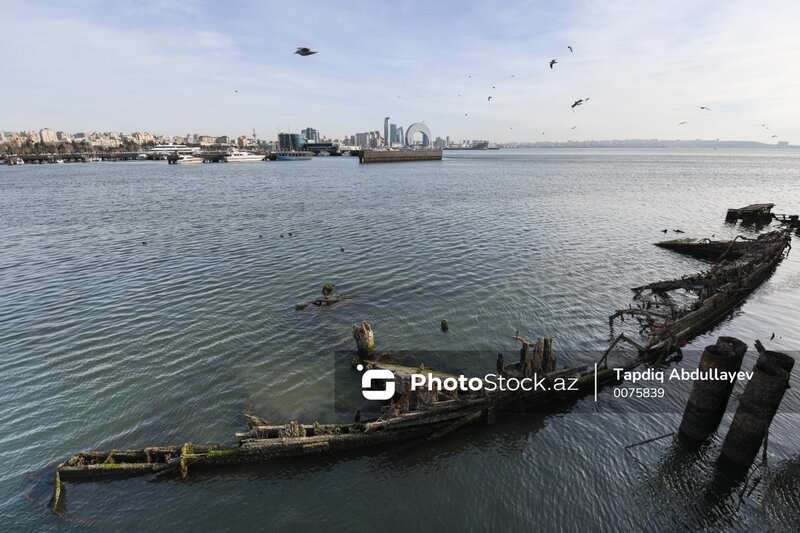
(757, 407)
(365, 341)
(709, 398)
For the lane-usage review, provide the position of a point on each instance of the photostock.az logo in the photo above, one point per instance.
(371, 376)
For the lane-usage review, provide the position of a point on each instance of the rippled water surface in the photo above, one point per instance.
(145, 303)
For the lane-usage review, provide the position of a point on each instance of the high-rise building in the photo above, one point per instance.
(311, 135)
(291, 141)
(392, 134)
(48, 136)
(400, 137)
(386, 129)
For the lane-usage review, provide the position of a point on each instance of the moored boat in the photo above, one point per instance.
(293, 155)
(239, 156)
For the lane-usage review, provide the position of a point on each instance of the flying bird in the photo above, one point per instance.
(704, 107)
(236, 91)
(303, 51)
(552, 62)
(764, 126)
(513, 75)
(682, 123)
(573, 127)
(490, 99)
(570, 49)
(492, 86)
(465, 114)
(774, 136)
(576, 104)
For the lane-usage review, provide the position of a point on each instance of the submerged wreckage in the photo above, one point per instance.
(667, 313)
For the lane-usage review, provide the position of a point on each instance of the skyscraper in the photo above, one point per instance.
(386, 137)
(392, 134)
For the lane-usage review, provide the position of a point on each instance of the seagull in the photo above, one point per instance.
(664, 230)
(552, 62)
(682, 123)
(236, 91)
(573, 127)
(764, 126)
(677, 231)
(303, 51)
(576, 103)
(773, 336)
(513, 75)
(774, 136)
(492, 86)
(465, 114)
(570, 49)
(704, 107)
(490, 99)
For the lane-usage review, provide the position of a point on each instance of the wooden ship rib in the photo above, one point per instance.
(664, 322)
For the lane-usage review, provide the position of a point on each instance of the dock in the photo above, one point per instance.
(761, 214)
(751, 213)
(397, 156)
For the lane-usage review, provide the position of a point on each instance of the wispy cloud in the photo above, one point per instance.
(175, 67)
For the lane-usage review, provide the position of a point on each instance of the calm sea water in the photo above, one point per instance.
(106, 342)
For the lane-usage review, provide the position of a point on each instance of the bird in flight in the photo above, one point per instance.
(764, 126)
(774, 136)
(704, 107)
(682, 123)
(570, 49)
(490, 99)
(513, 75)
(303, 51)
(573, 127)
(577, 103)
(236, 91)
(552, 62)
(465, 114)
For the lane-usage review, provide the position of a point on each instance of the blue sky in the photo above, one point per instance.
(173, 67)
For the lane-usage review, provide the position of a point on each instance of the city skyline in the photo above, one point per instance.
(174, 67)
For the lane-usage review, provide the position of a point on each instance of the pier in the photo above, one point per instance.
(390, 156)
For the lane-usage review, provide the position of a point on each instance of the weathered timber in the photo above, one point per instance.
(757, 407)
(365, 341)
(709, 398)
(759, 213)
(432, 415)
(717, 291)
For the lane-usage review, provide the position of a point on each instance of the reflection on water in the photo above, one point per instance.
(108, 342)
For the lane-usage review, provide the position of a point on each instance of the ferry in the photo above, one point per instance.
(238, 156)
(293, 155)
(166, 149)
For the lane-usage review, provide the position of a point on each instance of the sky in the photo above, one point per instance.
(174, 67)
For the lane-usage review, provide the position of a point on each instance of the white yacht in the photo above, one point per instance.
(186, 159)
(238, 156)
(93, 159)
